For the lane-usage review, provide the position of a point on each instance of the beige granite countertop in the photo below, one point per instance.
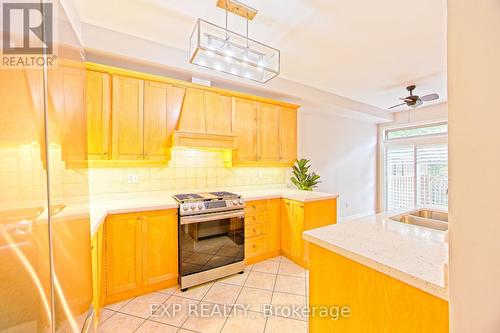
(414, 255)
(103, 205)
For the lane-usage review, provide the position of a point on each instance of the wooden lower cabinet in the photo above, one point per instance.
(377, 302)
(261, 230)
(275, 226)
(136, 253)
(140, 252)
(98, 270)
(159, 246)
(297, 217)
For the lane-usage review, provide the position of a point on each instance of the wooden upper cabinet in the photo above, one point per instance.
(192, 118)
(246, 129)
(288, 135)
(128, 118)
(159, 229)
(155, 121)
(268, 125)
(98, 114)
(72, 122)
(218, 114)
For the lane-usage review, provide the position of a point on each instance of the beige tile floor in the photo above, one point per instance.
(276, 281)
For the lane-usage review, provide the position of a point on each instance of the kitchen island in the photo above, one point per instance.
(391, 275)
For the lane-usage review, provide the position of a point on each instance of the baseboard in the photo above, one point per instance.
(110, 299)
(262, 257)
(356, 216)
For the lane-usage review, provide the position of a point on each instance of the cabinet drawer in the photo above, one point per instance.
(256, 229)
(255, 246)
(255, 218)
(256, 206)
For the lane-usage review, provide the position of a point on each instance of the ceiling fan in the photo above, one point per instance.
(415, 101)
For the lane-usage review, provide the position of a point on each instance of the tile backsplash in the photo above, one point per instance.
(188, 169)
(23, 176)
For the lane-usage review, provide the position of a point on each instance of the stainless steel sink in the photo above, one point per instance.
(431, 214)
(426, 218)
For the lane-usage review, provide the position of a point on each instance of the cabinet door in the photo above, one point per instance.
(273, 228)
(218, 113)
(246, 130)
(288, 135)
(268, 132)
(128, 118)
(192, 118)
(155, 121)
(297, 227)
(98, 269)
(123, 253)
(74, 119)
(98, 114)
(159, 230)
(286, 226)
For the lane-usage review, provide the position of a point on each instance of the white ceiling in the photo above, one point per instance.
(361, 49)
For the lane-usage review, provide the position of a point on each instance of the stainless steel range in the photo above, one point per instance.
(211, 236)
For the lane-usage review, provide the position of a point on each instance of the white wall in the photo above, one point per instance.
(424, 114)
(73, 17)
(343, 152)
(474, 142)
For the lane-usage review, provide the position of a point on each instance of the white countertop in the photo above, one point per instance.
(411, 254)
(103, 205)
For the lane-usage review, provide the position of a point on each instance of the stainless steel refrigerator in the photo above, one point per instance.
(45, 248)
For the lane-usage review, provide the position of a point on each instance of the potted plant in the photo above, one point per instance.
(302, 178)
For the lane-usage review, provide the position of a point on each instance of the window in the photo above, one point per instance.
(411, 132)
(432, 175)
(416, 170)
(400, 177)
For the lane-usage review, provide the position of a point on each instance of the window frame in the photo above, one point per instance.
(402, 128)
(427, 139)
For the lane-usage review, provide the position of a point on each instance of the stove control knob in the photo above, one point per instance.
(235, 202)
(185, 207)
(241, 201)
(193, 206)
(200, 206)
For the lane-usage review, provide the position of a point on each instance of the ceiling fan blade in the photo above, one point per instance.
(406, 99)
(395, 106)
(417, 104)
(430, 97)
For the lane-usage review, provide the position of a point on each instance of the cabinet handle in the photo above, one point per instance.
(254, 246)
(254, 230)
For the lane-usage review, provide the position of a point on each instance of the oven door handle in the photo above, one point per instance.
(210, 217)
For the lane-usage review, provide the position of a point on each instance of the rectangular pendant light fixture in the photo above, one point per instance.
(223, 50)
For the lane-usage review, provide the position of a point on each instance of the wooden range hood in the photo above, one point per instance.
(205, 120)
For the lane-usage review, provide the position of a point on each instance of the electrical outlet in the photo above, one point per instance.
(133, 179)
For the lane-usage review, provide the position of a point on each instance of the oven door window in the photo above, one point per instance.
(211, 244)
